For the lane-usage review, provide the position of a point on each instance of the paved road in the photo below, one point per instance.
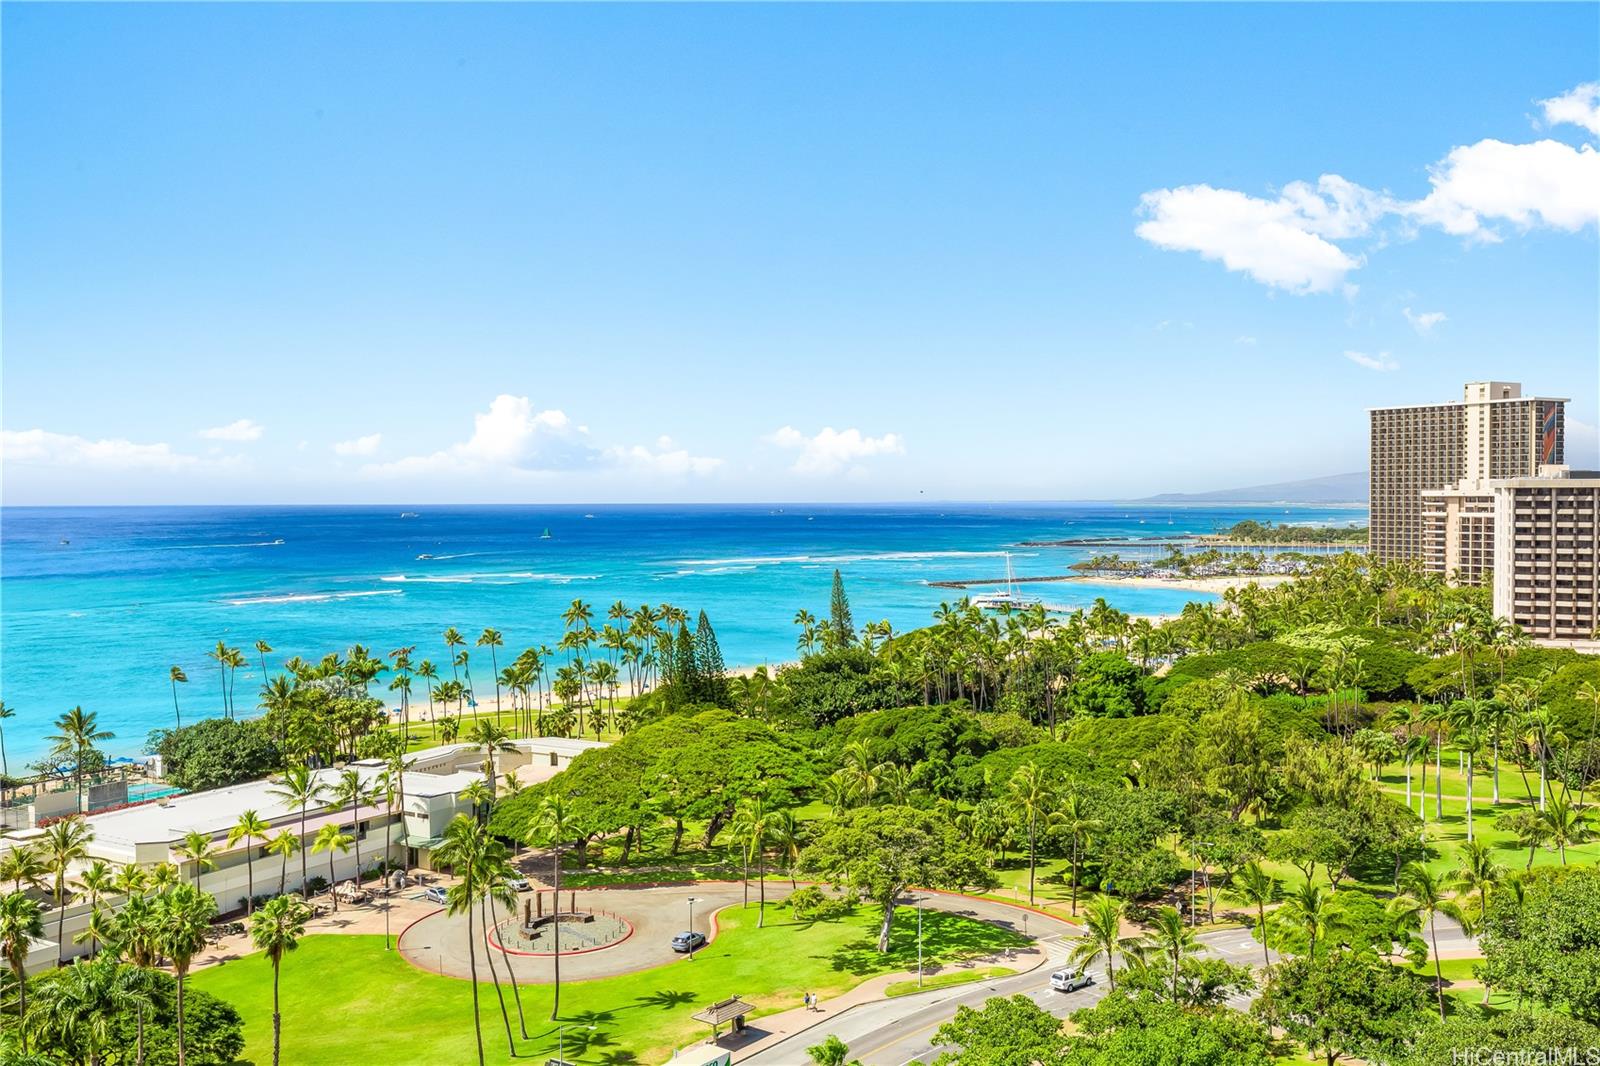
(894, 1032)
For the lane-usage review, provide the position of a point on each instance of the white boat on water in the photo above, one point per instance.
(1008, 600)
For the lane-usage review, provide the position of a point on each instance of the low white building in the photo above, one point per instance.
(150, 833)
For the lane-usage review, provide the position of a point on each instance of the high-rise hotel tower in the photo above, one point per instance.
(1479, 491)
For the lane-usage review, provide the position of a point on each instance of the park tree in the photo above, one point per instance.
(1012, 1031)
(879, 852)
(1344, 1004)
(216, 752)
(1140, 1030)
(1544, 945)
(1519, 1036)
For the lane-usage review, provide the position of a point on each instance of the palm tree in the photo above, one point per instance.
(491, 738)
(785, 836)
(300, 788)
(1467, 717)
(1029, 793)
(1308, 911)
(1254, 887)
(332, 839)
(752, 827)
(220, 655)
(262, 647)
(1477, 872)
(276, 930)
(196, 848)
(429, 674)
(79, 1008)
(5, 767)
(177, 677)
(491, 639)
(21, 923)
(283, 845)
(1428, 898)
(183, 916)
(552, 825)
(1172, 939)
(1102, 936)
(24, 867)
(461, 851)
(250, 828)
(1080, 830)
(78, 732)
(64, 842)
(351, 791)
(90, 886)
(1565, 825)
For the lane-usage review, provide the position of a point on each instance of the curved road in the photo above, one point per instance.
(893, 1032)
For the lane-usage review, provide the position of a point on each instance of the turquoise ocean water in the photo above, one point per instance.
(97, 603)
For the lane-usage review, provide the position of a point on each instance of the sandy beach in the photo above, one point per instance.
(1189, 584)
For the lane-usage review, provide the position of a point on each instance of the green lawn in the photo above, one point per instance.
(347, 1000)
(944, 980)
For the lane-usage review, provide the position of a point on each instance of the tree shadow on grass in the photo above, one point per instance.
(945, 937)
(666, 999)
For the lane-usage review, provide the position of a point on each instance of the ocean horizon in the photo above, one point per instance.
(99, 602)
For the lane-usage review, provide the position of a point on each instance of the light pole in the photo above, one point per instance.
(691, 928)
(561, 1046)
(919, 941)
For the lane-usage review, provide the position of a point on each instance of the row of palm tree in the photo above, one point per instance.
(78, 1006)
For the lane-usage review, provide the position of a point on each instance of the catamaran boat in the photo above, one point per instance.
(1009, 600)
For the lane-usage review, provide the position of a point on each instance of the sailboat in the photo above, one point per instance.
(546, 534)
(1007, 600)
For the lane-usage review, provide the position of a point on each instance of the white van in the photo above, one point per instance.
(1068, 981)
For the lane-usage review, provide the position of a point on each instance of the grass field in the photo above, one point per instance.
(945, 980)
(347, 1000)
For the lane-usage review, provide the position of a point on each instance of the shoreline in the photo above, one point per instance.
(1218, 584)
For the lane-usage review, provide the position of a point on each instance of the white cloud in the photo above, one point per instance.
(831, 450)
(39, 447)
(510, 436)
(1424, 322)
(1293, 242)
(1579, 107)
(1283, 243)
(1544, 183)
(242, 430)
(665, 459)
(1380, 362)
(1245, 339)
(367, 445)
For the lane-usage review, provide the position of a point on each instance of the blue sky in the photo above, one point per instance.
(287, 253)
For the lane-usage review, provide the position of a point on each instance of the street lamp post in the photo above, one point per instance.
(561, 1045)
(691, 928)
(919, 941)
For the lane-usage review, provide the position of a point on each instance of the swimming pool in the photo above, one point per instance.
(148, 790)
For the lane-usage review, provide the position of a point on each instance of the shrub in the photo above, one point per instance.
(812, 904)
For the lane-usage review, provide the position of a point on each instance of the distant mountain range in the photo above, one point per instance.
(1335, 488)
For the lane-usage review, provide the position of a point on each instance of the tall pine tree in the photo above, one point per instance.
(684, 677)
(840, 629)
(713, 680)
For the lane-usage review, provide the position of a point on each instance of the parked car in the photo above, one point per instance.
(685, 942)
(436, 894)
(1068, 981)
(517, 884)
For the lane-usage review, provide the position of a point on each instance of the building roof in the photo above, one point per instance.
(216, 811)
(724, 1011)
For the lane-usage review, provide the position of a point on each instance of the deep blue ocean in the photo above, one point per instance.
(97, 603)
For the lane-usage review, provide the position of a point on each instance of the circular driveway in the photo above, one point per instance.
(438, 942)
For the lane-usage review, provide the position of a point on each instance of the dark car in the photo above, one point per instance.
(684, 942)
